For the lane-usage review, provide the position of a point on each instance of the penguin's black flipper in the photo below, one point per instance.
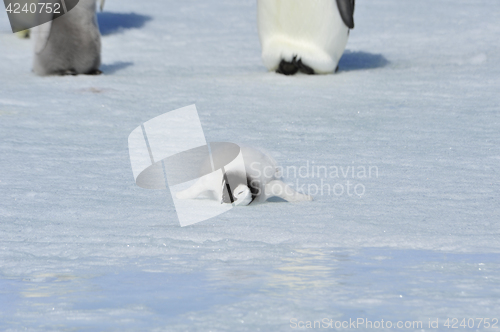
(346, 10)
(227, 194)
(230, 182)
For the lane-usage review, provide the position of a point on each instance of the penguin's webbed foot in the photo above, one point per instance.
(67, 72)
(287, 68)
(94, 72)
(291, 68)
(304, 68)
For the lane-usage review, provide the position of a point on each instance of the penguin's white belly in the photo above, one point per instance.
(311, 30)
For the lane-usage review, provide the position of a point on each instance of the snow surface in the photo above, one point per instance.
(83, 248)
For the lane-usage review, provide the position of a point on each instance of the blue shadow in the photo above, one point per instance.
(361, 61)
(110, 23)
(276, 200)
(114, 67)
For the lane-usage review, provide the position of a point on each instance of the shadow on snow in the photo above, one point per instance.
(361, 60)
(110, 23)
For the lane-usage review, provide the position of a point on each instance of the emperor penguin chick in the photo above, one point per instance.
(304, 35)
(69, 44)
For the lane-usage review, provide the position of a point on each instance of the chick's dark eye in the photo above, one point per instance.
(240, 192)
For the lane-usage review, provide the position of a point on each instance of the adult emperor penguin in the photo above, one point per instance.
(304, 35)
(70, 44)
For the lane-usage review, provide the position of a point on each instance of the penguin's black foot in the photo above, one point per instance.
(94, 72)
(304, 68)
(291, 68)
(287, 68)
(68, 72)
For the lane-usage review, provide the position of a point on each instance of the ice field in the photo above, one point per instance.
(416, 101)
